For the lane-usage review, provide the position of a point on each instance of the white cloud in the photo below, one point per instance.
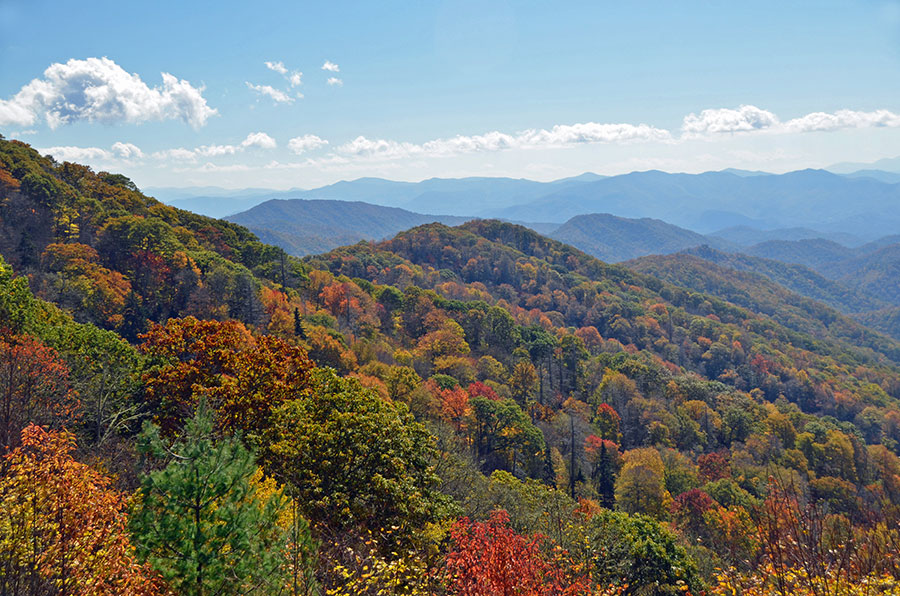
(277, 67)
(380, 148)
(177, 154)
(254, 139)
(259, 139)
(591, 132)
(331, 66)
(127, 150)
(750, 118)
(76, 154)
(306, 143)
(16, 111)
(275, 94)
(334, 81)
(99, 90)
(294, 77)
(558, 136)
(823, 121)
(725, 120)
(215, 150)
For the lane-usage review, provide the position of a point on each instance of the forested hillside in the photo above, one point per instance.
(457, 410)
(305, 227)
(862, 285)
(614, 239)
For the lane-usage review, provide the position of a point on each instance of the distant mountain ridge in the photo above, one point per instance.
(613, 239)
(303, 226)
(859, 207)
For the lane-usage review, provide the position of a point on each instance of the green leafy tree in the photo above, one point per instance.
(352, 459)
(204, 521)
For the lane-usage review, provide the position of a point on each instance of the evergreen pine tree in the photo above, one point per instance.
(606, 478)
(134, 321)
(203, 521)
(299, 331)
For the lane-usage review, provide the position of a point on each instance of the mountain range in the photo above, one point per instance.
(860, 206)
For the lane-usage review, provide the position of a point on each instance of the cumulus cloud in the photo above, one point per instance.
(127, 150)
(750, 118)
(99, 90)
(331, 66)
(558, 136)
(215, 150)
(334, 81)
(118, 151)
(77, 154)
(276, 95)
(277, 67)
(306, 143)
(177, 154)
(259, 139)
(823, 121)
(725, 120)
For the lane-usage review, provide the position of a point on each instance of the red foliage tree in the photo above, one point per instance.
(34, 387)
(713, 466)
(479, 389)
(490, 559)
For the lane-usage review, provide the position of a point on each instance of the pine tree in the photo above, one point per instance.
(606, 478)
(134, 319)
(204, 521)
(299, 331)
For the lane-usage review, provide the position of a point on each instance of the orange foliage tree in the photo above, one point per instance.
(62, 528)
(244, 378)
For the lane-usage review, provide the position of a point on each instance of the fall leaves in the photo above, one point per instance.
(62, 527)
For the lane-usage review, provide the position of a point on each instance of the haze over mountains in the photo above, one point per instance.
(862, 207)
(305, 227)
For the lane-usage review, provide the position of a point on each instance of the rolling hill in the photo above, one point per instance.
(305, 227)
(614, 239)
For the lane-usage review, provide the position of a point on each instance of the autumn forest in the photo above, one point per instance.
(473, 410)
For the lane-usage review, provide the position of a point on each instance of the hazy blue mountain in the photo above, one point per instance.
(613, 239)
(888, 164)
(876, 273)
(872, 269)
(748, 236)
(168, 194)
(738, 172)
(460, 196)
(303, 227)
(881, 175)
(813, 253)
(862, 207)
(814, 199)
(219, 207)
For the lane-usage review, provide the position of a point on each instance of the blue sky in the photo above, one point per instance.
(421, 89)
